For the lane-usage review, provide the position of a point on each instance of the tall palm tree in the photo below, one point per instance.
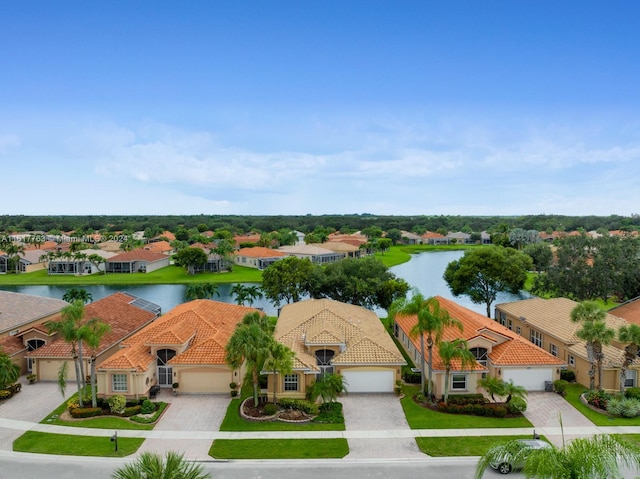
(9, 371)
(92, 332)
(512, 390)
(630, 335)
(249, 344)
(327, 387)
(150, 465)
(492, 385)
(13, 251)
(432, 321)
(240, 293)
(279, 360)
(595, 333)
(201, 291)
(596, 457)
(73, 294)
(450, 351)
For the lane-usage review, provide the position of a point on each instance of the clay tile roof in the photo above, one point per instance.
(17, 309)
(137, 255)
(260, 252)
(630, 311)
(11, 345)
(159, 247)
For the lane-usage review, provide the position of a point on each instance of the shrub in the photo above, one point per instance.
(467, 399)
(300, 405)
(147, 407)
(632, 393)
(161, 406)
(598, 399)
(234, 393)
(568, 376)
(630, 407)
(233, 385)
(82, 412)
(330, 413)
(270, 409)
(517, 405)
(72, 404)
(560, 386)
(410, 377)
(131, 410)
(5, 394)
(117, 404)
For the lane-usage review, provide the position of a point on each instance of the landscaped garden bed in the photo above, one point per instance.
(292, 411)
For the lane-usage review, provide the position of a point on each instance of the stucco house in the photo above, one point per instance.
(315, 254)
(184, 346)
(499, 352)
(137, 261)
(328, 336)
(125, 313)
(547, 323)
(257, 257)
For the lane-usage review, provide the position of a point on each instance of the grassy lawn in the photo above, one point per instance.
(573, 396)
(419, 417)
(279, 448)
(632, 438)
(234, 422)
(462, 446)
(69, 445)
(168, 275)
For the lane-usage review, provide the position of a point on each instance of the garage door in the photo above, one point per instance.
(204, 382)
(531, 379)
(369, 381)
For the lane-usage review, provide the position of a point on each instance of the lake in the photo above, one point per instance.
(424, 271)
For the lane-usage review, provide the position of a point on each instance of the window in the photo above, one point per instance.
(553, 349)
(518, 330)
(630, 380)
(536, 337)
(290, 382)
(481, 355)
(503, 318)
(324, 358)
(458, 382)
(119, 382)
(572, 360)
(510, 325)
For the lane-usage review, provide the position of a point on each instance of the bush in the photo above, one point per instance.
(467, 399)
(299, 405)
(82, 412)
(488, 410)
(131, 411)
(560, 386)
(234, 393)
(233, 385)
(117, 404)
(5, 394)
(147, 407)
(330, 413)
(410, 377)
(270, 409)
(517, 405)
(632, 393)
(568, 376)
(72, 404)
(598, 399)
(161, 406)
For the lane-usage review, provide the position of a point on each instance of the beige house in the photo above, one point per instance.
(328, 336)
(498, 351)
(257, 257)
(184, 346)
(547, 323)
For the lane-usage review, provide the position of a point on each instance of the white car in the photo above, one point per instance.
(505, 464)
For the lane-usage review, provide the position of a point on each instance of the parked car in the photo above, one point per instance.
(507, 463)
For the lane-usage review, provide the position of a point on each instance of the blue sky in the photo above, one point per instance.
(320, 107)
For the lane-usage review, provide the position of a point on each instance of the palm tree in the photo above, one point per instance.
(279, 359)
(595, 332)
(512, 390)
(246, 294)
(81, 294)
(9, 371)
(450, 351)
(327, 387)
(201, 291)
(150, 465)
(596, 457)
(13, 251)
(432, 321)
(249, 344)
(493, 385)
(92, 332)
(629, 334)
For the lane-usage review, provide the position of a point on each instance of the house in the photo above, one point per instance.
(499, 352)
(185, 346)
(328, 336)
(138, 260)
(547, 323)
(19, 312)
(315, 254)
(433, 238)
(125, 313)
(411, 238)
(345, 249)
(257, 257)
(459, 238)
(161, 246)
(629, 311)
(79, 263)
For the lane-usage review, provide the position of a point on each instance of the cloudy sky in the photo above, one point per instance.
(401, 107)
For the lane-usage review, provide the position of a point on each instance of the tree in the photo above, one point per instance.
(279, 360)
(484, 272)
(595, 332)
(9, 371)
(150, 465)
(13, 252)
(327, 387)
(512, 390)
(201, 291)
(596, 457)
(431, 320)
(96, 260)
(191, 259)
(77, 294)
(249, 345)
(287, 280)
(92, 332)
(540, 254)
(629, 335)
(246, 294)
(450, 351)
(493, 385)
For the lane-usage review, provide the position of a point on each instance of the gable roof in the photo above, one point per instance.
(260, 252)
(17, 309)
(509, 349)
(137, 255)
(629, 311)
(204, 325)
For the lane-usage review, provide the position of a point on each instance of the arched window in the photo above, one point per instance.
(323, 358)
(481, 355)
(164, 356)
(33, 344)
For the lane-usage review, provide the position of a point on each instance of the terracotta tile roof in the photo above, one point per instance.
(159, 247)
(12, 345)
(117, 311)
(305, 249)
(510, 348)
(137, 255)
(629, 311)
(17, 309)
(166, 234)
(260, 252)
(432, 234)
(324, 321)
(205, 324)
(338, 246)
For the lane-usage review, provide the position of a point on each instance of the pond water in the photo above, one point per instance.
(424, 271)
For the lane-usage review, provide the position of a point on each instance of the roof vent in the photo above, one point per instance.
(522, 318)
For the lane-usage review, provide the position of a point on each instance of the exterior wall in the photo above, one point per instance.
(438, 379)
(138, 384)
(304, 381)
(30, 268)
(156, 265)
(397, 370)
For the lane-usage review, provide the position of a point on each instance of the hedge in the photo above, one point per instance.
(82, 412)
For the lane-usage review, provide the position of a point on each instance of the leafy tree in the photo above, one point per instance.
(395, 235)
(9, 371)
(629, 335)
(450, 351)
(372, 232)
(279, 360)
(150, 465)
(595, 332)
(327, 387)
(287, 280)
(540, 254)
(431, 322)
(596, 457)
(484, 272)
(191, 259)
(96, 260)
(74, 294)
(201, 291)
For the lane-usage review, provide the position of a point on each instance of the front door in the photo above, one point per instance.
(165, 375)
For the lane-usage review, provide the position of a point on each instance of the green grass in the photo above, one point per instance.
(168, 275)
(573, 396)
(69, 445)
(234, 422)
(279, 448)
(462, 445)
(631, 438)
(101, 422)
(419, 417)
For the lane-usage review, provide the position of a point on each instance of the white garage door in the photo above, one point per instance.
(531, 379)
(369, 381)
